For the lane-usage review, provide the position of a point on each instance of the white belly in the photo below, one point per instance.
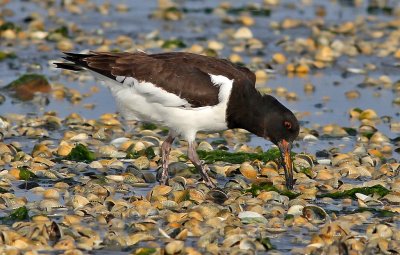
(185, 121)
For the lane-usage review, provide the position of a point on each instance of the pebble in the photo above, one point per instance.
(243, 33)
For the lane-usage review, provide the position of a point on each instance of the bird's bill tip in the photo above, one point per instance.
(285, 148)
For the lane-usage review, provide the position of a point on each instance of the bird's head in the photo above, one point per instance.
(281, 127)
(265, 116)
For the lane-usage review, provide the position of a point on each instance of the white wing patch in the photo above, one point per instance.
(152, 93)
(120, 78)
(225, 86)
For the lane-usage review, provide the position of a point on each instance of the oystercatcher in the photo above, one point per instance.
(189, 93)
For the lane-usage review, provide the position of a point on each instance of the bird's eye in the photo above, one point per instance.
(287, 124)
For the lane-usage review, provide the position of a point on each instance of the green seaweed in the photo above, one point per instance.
(376, 189)
(210, 52)
(2, 191)
(5, 55)
(368, 134)
(26, 78)
(18, 214)
(148, 126)
(218, 142)
(173, 43)
(206, 10)
(146, 251)
(252, 10)
(63, 30)
(81, 153)
(148, 152)
(377, 212)
(359, 110)
(237, 157)
(172, 9)
(266, 242)
(350, 131)
(307, 171)
(25, 174)
(372, 9)
(9, 25)
(289, 217)
(256, 189)
(58, 33)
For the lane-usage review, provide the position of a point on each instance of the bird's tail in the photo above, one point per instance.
(77, 62)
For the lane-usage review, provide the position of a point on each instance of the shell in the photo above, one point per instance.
(248, 171)
(366, 201)
(233, 240)
(296, 210)
(51, 194)
(315, 214)
(174, 247)
(79, 201)
(249, 216)
(379, 231)
(303, 161)
(217, 196)
(142, 162)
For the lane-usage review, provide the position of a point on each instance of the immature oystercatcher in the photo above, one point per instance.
(190, 93)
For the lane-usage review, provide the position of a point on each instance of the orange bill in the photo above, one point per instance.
(285, 148)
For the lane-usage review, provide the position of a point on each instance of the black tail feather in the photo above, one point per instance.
(97, 62)
(77, 59)
(69, 66)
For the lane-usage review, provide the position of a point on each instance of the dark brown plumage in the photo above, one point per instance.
(183, 74)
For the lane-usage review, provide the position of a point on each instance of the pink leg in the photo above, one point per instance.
(203, 169)
(165, 150)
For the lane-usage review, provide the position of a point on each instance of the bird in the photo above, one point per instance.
(187, 93)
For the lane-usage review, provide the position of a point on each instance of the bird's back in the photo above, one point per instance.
(186, 75)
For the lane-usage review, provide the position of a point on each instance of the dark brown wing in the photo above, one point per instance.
(184, 74)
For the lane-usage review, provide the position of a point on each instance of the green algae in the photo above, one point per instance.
(266, 242)
(81, 153)
(377, 212)
(376, 10)
(27, 78)
(376, 189)
(173, 43)
(256, 189)
(25, 174)
(148, 126)
(254, 11)
(9, 26)
(7, 55)
(350, 131)
(237, 157)
(146, 251)
(148, 152)
(19, 214)
(63, 31)
(307, 171)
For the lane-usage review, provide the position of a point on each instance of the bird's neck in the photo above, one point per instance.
(246, 110)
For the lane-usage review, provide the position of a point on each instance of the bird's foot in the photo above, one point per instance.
(162, 177)
(209, 184)
(206, 178)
